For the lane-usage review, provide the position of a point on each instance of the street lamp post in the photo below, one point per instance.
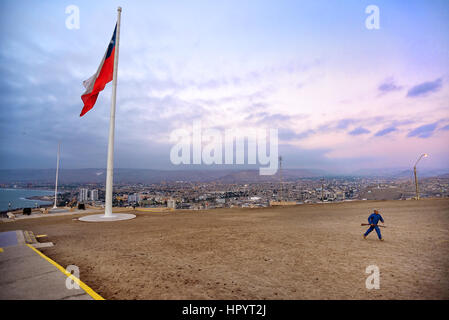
(424, 155)
(280, 178)
(322, 190)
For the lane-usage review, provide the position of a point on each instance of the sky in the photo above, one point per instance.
(342, 97)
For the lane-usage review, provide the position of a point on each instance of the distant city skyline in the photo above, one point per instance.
(343, 97)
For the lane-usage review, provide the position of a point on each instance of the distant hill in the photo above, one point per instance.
(134, 176)
(399, 173)
(69, 176)
(147, 176)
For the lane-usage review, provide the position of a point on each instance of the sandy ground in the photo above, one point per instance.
(300, 252)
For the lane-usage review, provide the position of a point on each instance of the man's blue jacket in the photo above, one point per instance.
(374, 218)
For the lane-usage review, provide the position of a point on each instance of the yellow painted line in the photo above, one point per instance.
(84, 286)
(41, 235)
(1, 249)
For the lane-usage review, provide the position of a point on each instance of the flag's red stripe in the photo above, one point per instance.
(105, 76)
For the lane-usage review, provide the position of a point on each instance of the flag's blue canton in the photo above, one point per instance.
(111, 44)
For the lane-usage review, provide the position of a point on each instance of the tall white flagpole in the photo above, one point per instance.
(110, 166)
(57, 174)
(108, 216)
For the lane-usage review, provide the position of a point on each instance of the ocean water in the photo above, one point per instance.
(17, 198)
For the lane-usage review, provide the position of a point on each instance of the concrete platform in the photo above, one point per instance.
(103, 218)
(25, 275)
(47, 215)
(8, 239)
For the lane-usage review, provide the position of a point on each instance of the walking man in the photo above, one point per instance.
(373, 219)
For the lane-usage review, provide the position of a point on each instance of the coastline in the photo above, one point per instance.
(19, 198)
(41, 198)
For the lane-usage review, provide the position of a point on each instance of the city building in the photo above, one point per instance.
(83, 195)
(134, 198)
(94, 195)
(171, 203)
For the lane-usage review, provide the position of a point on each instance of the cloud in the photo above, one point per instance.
(425, 87)
(388, 86)
(344, 123)
(359, 131)
(289, 135)
(446, 127)
(385, 131)
(265, 118)
(424, 131)
(199, 65)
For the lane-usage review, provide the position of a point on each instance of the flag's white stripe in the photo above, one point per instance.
(89, 83)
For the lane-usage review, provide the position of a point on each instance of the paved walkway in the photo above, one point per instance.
(26, 275)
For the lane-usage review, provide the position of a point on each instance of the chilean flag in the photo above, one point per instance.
(98, 81)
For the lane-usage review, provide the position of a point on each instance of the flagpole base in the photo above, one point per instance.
(105, 218)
